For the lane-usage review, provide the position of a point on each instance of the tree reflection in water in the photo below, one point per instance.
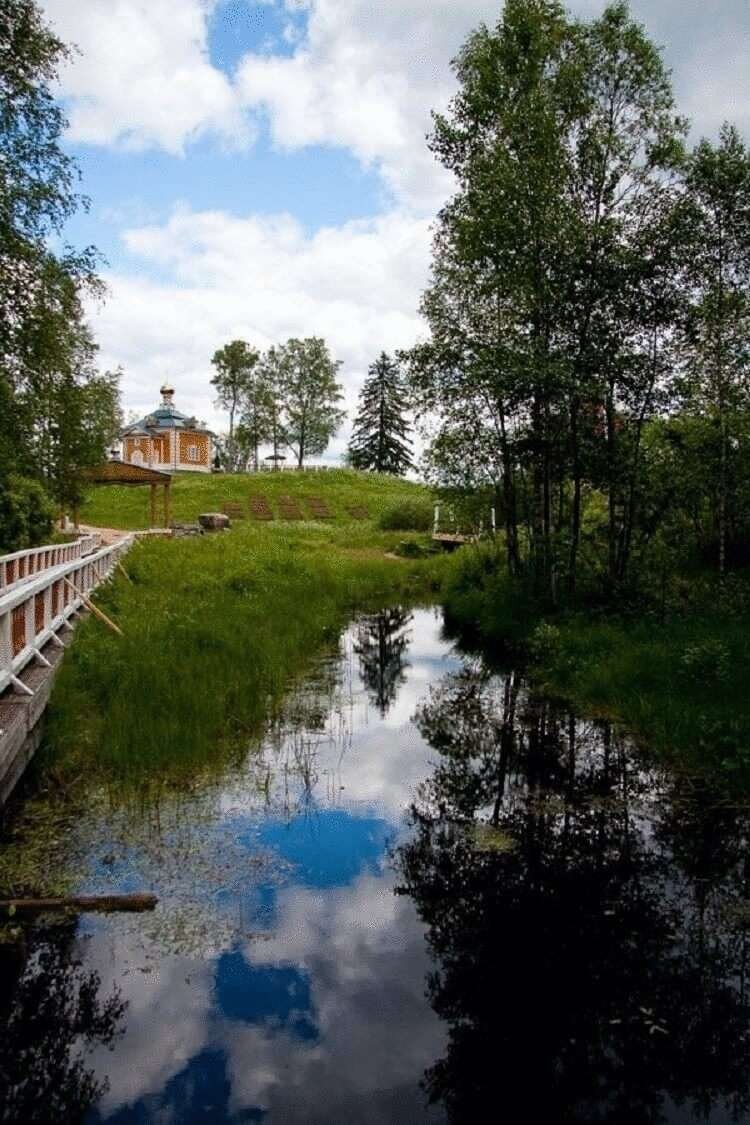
(51, 1017)
(381, 645)
(588, 916)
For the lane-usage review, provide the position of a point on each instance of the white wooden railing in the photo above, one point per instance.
(34, 612)
(18, 567)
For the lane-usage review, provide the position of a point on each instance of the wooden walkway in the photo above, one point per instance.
(20, 715)
(448, 540)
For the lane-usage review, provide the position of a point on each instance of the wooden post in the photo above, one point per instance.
(153, 506)
(94, 609)
(167, 505)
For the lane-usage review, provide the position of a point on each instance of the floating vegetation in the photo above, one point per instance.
(488, 838)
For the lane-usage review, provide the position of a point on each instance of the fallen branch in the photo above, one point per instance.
(135, 903)
(94, 609)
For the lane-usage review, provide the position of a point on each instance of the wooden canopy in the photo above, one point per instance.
(122, 472)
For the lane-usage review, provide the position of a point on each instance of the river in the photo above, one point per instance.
(427, 895)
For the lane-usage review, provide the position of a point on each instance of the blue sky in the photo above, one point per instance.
(258, 169)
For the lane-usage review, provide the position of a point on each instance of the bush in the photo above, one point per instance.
(407, 515)
(413, 549)
(545, 643)
(26, 514)
(707, 662)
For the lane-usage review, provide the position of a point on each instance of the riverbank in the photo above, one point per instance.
(676, 675)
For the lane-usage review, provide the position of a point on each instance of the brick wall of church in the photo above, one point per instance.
(193, 450)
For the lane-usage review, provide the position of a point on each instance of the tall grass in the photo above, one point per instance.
(214, 631)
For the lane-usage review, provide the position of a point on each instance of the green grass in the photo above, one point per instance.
(215, 630)
(680, 684)
(661, 681)
(192, 493)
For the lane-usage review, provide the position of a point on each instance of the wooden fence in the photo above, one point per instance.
(18, 567)
(39, 606)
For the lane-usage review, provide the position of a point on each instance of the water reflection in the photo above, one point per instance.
(382, 644)
(587, 914)
(53, 1015)
(280, 979)
(426, 895)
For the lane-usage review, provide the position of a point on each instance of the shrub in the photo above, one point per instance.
(708, 662)
(407, 515)
(26, 514)
(545, 643)
(412, 549)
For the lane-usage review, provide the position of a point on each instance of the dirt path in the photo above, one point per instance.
(109, 534)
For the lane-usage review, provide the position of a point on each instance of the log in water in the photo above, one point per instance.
(135, 903)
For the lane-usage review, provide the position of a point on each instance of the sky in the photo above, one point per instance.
(258, 168)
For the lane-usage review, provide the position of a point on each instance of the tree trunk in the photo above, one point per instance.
(509, 501)
(575, 529)
(612, 531)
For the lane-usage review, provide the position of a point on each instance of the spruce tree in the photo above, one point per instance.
(380, 437)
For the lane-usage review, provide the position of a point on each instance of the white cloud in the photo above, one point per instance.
(362, 75)
(375, 1042)
(154, 1047)
(365, 77)
(143, 77)
(263, 279)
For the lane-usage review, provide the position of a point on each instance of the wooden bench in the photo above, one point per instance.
(260, 508)
(319, 508)
(289, 508)
(358, 512)
(233, 509)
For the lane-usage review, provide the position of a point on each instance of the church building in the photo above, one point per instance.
(168, 440)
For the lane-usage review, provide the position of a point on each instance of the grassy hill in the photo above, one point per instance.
(128, 507)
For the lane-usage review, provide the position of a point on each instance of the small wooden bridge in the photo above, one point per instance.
(449, 540)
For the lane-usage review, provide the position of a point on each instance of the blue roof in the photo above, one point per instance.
(165, 418)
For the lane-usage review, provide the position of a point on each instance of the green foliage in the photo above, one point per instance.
(379, 438)
(556, 282)
(414, 549)
(544, 642)
(52, 404)
(309, 396)
(407, 515)
(236, 386)
(26, 514)
(706, 662)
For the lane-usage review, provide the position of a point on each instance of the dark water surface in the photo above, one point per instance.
(428, 896)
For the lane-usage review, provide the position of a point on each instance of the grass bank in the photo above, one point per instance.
(678, 678)
(215, 630)
(193, 493)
